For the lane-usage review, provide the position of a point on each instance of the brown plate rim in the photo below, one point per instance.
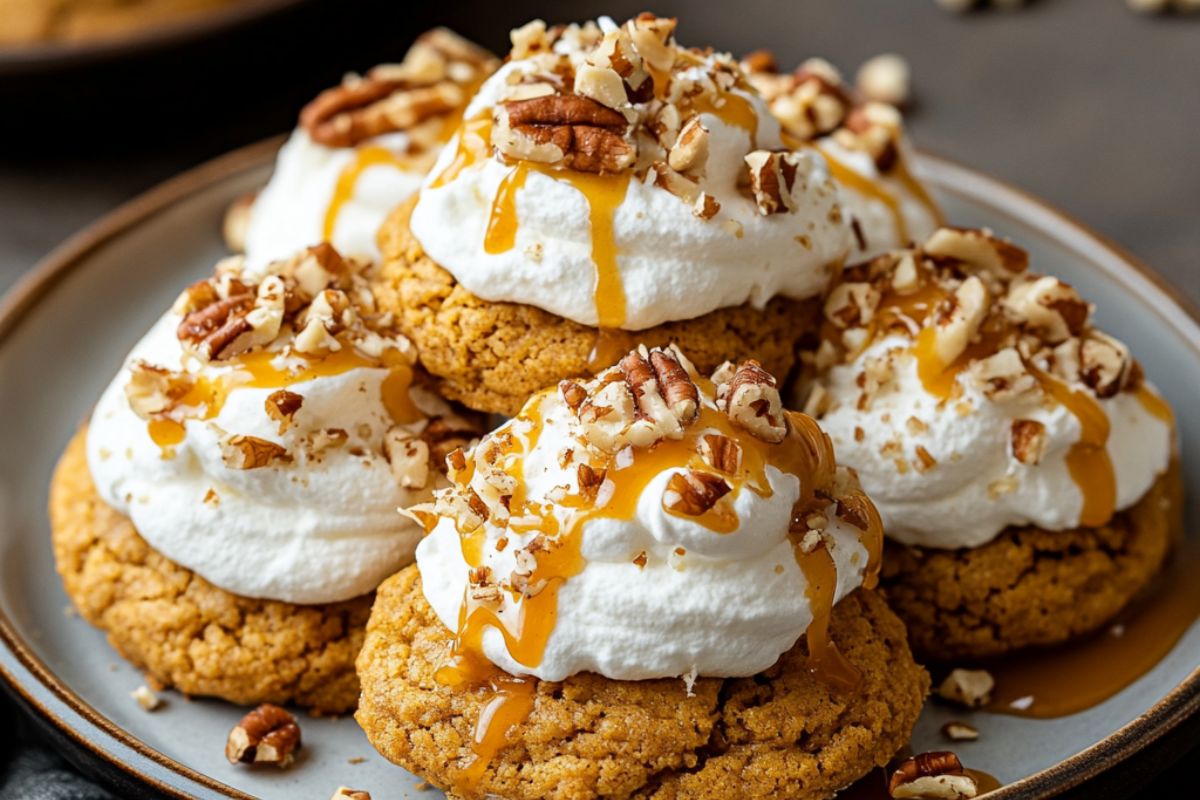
(1182, 701)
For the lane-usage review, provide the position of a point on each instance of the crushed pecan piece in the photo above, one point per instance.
(266, 735)
(693, 493)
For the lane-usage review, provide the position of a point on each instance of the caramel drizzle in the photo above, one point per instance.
(364, 158)
(734, 110)
(526, 623)
(851, 179)
(255, 370)
(474, 144)
(1088, 460)
(604, 193)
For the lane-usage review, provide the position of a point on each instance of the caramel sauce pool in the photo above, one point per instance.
(1067, 679)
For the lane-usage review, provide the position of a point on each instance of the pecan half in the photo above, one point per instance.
(566, 130)
(932, 775)
(721, 453)
(693, 492)
(212, 328)
(266, 735)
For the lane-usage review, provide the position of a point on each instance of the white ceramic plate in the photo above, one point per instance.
(64, 331)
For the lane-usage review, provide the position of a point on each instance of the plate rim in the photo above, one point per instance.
(1093, 248)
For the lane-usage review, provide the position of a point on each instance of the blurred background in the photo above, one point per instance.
(1083, 102)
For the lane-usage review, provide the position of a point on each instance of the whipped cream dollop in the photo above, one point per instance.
(627, 208)
(363, 148)
(233, 455)
(863, 144)
(693, 536)
(339, 195)
(971, 395)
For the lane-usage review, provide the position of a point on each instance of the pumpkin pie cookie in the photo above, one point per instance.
(1018, 456)
(648, 584)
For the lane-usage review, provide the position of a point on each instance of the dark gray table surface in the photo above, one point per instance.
(1091, 107)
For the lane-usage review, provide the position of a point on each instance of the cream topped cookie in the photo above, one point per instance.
(616, 179)
(252, 410)
(972, 395)
(863, 145)
(647, 523)
(364, 147)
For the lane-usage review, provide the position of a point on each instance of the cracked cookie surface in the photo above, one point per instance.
(779, 734)
(184, 631)
(1029, 586)
(493, 356)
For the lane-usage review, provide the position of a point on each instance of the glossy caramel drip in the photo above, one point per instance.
(501, 234)
(852, 180)
(1088, 460)
(824, 659)
(256, 370)
(610, 345)
(735, 110)
(1154, 404)
(604, 193)
(364, 159)
(474, 144)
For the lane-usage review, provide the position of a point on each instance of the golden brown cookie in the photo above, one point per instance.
(1029, 586)
(184, 631)
(780, 734)
(493, 356)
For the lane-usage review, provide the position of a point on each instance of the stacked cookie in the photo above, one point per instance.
(653, 580)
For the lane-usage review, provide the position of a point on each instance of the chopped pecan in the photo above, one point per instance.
(346, 793)
(155, 390)
(1104, 363)
(408, 456)
(571, 131)
(266, 735)
(589, 481)
(772, 178)
(693, 493)
(751, 398)
(978, 248)
(931, 775)
(251, 452)
(958, 318)
(1049, 307)
(957, 731)
(281, 406)
(216, 325)
(885, 79)
(1028, 441)
(690, 151)
(971, 688)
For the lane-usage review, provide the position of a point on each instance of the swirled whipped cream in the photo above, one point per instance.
(614, 178)
(971, 395)
(250, 413)
(364, 147)
(863, 144)
(647, 523)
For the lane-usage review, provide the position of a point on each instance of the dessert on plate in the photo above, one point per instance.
(863, 144)
(361, 148)
(229, 508)
(1019, 458)
(646, 584)
(610, 187)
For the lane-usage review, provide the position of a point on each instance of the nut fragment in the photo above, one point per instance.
(690, 151)
(721, 453)
(957, 731)
(1049, 307)
(281, 406)
(958, 319)
(772, 179)
(980, 248)
(266, 735)
(1028, 441)
(1104, 363)
(1003, 375)
(971, 688)
(693, 493)
(885, 79)
(851, 304)
(752, 400)
(251, 452)
(146, 698)
(346, 793)
(409, 457)
(937, 775)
